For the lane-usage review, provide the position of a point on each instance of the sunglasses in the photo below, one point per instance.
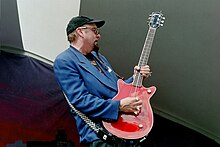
(94, 29)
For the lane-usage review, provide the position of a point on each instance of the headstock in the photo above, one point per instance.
(156, 19)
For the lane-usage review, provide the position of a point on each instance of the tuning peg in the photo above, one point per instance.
(161, 24)
(162, 21)
(163, 18)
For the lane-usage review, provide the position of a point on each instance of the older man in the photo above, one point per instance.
(89, 81)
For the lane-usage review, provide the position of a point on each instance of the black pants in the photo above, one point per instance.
(100, 143)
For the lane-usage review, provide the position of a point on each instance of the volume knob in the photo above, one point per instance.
(149, 91)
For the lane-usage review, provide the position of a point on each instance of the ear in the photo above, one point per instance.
(79, 32)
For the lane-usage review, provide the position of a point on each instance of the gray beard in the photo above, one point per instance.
(96, 48)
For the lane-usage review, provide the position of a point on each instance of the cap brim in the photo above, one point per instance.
(99, 23)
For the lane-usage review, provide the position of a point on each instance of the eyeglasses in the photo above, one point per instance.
(94, 29)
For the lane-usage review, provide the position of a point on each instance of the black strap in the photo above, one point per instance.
(108, 137)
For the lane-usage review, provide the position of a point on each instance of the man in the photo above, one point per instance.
(89, 81)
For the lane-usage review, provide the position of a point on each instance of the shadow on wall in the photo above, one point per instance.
(166, 133)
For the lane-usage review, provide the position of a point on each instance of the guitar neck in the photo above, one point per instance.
(147, 47)
(144, 55)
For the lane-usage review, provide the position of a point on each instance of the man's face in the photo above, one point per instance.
(91, 36)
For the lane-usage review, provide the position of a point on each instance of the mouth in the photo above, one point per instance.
(96, 43)
(96, 46)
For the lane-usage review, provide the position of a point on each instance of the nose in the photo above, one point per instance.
(98, 36)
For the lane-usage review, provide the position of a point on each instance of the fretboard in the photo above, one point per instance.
(144, 55)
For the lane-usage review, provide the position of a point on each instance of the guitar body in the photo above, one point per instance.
(131, 126)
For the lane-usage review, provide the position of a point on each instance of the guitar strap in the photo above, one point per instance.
(106, 67)
(102, 133)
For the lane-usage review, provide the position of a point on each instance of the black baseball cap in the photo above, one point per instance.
(78, 21)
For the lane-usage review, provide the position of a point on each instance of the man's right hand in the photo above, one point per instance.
(130, 105)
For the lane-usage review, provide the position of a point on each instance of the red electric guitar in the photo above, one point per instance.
(131, 126)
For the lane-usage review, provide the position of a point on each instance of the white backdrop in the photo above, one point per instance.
(43, 24)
